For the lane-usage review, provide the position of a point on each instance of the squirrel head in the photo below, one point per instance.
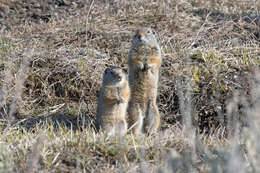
(114, 76)
(145, 36)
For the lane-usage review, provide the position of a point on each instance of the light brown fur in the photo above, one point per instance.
(144, 61)
(112, 102)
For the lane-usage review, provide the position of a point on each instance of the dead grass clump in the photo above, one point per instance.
(55, 81)
(37, 12)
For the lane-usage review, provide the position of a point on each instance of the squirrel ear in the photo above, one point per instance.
(107, 70)
(125, 70)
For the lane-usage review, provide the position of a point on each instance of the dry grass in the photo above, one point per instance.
(53, 54)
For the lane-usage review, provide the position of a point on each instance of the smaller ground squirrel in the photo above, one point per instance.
(144, 61)
(112, 102)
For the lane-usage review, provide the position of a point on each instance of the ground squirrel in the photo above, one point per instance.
(144, 61)
(112, 102)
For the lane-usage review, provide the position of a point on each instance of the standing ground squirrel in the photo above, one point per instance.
(112, 102)
(144, 61)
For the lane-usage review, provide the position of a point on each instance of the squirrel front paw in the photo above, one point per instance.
(120, 100)
(146, 67)
(140, 66)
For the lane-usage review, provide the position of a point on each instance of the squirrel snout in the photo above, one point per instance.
(138, 37)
